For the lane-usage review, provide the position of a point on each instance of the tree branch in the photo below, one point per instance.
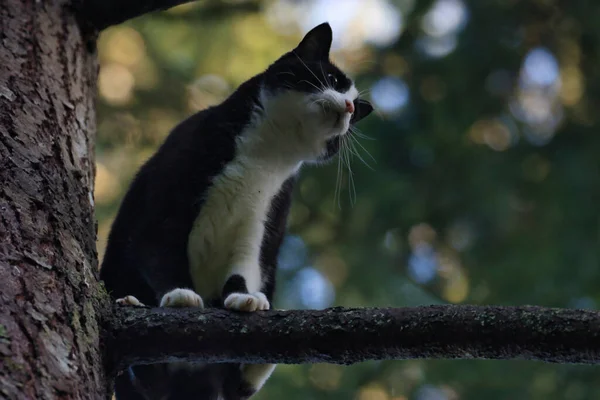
(346, 336)
(103, 13)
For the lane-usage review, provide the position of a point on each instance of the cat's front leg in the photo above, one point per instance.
(237, 297)
(235, 293)
(181, 298)
(129, 301)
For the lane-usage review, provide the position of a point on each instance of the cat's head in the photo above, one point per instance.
(306, 91)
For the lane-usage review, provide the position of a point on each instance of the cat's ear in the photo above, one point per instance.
(362, 109)
(316, 44)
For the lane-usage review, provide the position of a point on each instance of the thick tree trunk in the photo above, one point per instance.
(49, 327)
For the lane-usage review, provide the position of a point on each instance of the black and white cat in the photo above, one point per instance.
(203, 220)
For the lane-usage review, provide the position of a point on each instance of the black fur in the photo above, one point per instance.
(146, 254)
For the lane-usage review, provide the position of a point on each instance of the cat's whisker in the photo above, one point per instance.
(340, 173)
(358, 133)
(327, 83)
(351, 185)
(378, 113)
(363, 136)
(309, 70)
(342, 167)
(342, 157)
(338, 184)
(353, 142)
(313, 85)
(345, 153)
(321, 102)
(351, 147)
(286, 73)
(357, 142)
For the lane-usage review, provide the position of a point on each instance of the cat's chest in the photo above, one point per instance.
(230, 225)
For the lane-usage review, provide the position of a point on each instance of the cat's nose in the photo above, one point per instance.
(349, 107)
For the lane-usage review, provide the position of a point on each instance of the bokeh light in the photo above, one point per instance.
(441, 25)
(314, 289)
(390, 95)
(354, 22)
(293, 254)
(423, 263)
(540, 68)
(537, 102)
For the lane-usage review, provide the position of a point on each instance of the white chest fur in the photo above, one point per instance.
(228, 232)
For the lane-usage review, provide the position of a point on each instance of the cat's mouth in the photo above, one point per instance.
(339, 118)
(337, 115)
(340, 129)
(332, 146)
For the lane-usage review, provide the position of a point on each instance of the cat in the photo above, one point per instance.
(203, 220)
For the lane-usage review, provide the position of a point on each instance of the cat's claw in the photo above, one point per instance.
(247, 302)
(129, 301)
(181, 298)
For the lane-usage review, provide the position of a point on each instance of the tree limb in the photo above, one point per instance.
(104, 13)
(346, 336)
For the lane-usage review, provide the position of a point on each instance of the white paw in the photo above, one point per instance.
(181, 298)
(129, 301)
(247, 301)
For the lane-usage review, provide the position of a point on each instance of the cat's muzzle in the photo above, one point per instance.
(337, 112)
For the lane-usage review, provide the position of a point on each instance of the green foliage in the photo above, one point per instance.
(468, 200)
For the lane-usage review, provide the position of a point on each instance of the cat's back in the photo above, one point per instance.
(174, 178)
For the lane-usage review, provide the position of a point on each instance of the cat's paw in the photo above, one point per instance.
(247, 302)
(181, 298)
(129, 301)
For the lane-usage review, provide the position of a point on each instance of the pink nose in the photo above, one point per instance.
(349, 107)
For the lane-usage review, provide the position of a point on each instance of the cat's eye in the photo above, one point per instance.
(332, 80)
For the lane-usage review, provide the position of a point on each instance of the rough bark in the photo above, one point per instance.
(345, 336)
(49, 329)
